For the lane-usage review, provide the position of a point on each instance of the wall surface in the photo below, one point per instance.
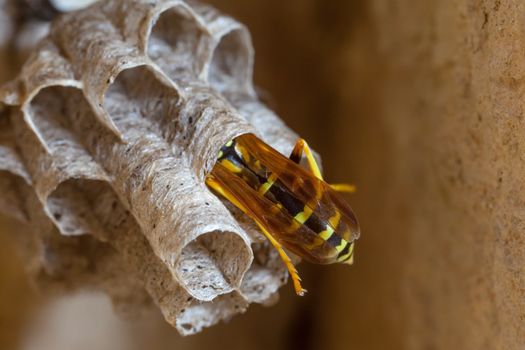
(452, 102)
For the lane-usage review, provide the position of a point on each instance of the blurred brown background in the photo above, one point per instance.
(421, 105)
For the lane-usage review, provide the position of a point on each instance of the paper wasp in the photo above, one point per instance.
(293, 206)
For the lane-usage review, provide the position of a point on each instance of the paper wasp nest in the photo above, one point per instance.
(106, 136)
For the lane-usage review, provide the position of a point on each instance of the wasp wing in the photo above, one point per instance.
(282, 226)
(315, 193)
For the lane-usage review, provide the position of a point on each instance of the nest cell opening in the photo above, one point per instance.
(72, 206)
(129, 102)
(175, 41)
(52, 112)
(213, 264)
(231, 64)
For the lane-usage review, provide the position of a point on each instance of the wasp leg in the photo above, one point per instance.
(210, 181)
(214, 184)
(344, 188)
(297, 153)
(299, 290)
(302, 147)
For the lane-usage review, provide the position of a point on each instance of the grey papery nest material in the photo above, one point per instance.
(105, 140)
